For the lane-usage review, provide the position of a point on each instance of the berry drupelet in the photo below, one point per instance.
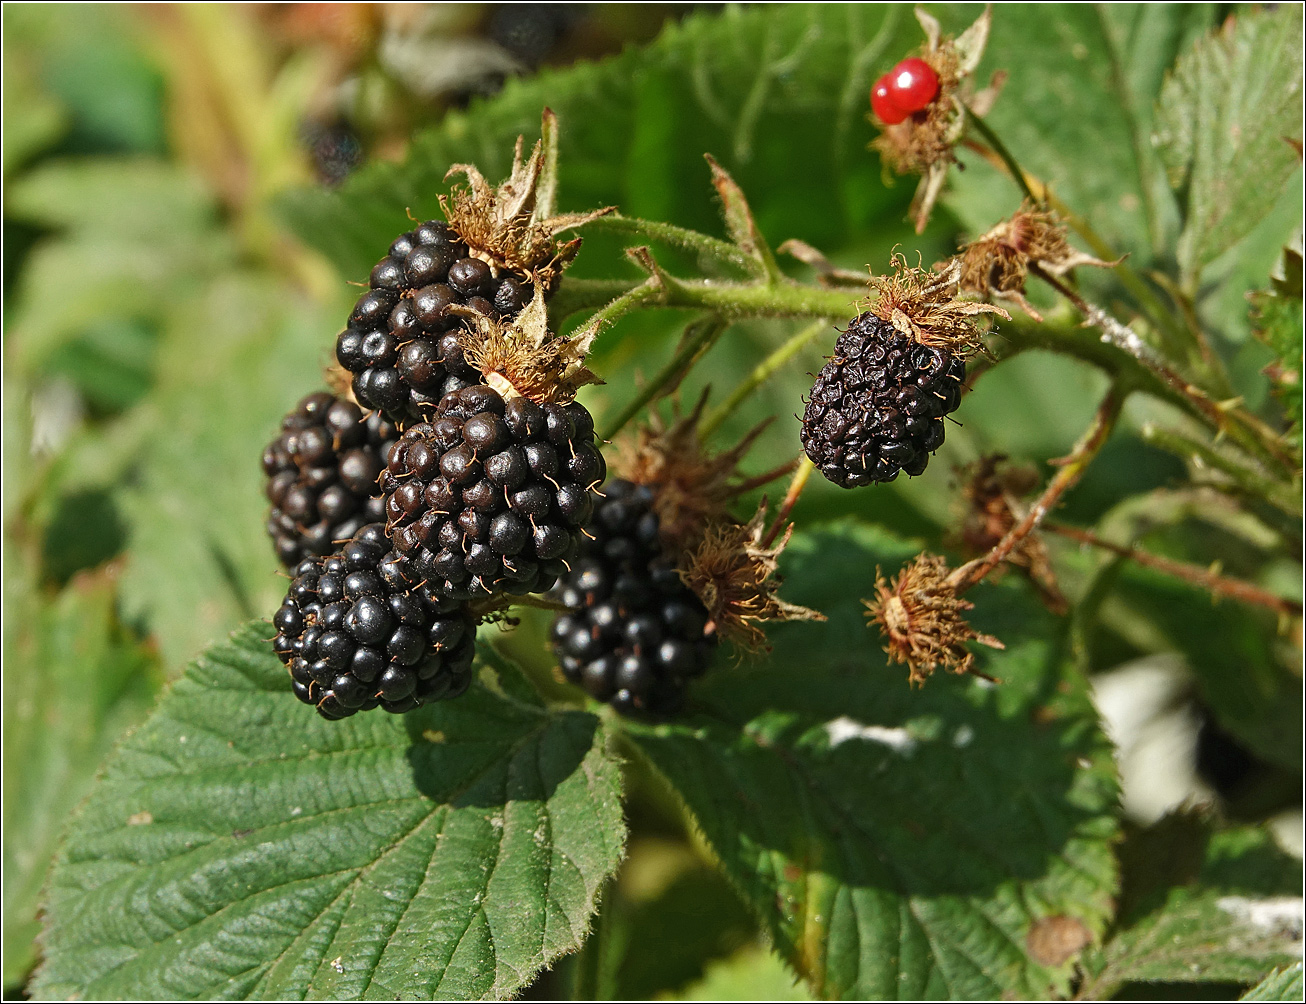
(322, 475)
(356, 634)
(490, 496)
(877, 406)
(633, 634)
(401, 344)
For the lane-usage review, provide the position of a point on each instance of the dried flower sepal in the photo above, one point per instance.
(733, 573)
(998, 263)
(921, 618)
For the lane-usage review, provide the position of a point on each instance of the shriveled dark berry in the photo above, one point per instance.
(501, 502)
(877, 407)
(633, 634)
(387, 643)
(322, 475)
(401, 344)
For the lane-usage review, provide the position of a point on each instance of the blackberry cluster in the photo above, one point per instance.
(356, 634)
(322, 475)
(490, 496)
(877, 406)
(401, 343)
(633, 634)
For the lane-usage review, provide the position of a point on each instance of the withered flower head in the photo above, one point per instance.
(522, 358)
(733, 573)
(998, 262)
(922, 304)
(991, 493)
(920, 616)
(512, 227)
(923, 143)
(692, 486)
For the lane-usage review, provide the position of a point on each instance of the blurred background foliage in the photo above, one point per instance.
(190, 191)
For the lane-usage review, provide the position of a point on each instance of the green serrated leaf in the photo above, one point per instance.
(1277, 316)
(76, 681)
(1233, 101)
(238, 846)
(1281, 985)
(900, 843)
(1241, 917)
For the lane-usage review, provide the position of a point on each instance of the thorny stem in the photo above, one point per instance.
(796, 485)
(1204, 577)
(761, 373)
(700, 337)
(1248, 430)
(1200, 455)
(1072, 469)
(998, 155)
(1000, 148)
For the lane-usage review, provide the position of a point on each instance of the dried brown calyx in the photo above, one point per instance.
(922, 304)
(992, 490)
(733, 573)
(522, 358)
(923, 143)
(691, 485)
(998, 263)
(513, 226)
(920, 615)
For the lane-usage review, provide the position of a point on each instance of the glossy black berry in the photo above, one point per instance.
(356, 633)
(322, 475)
(877, 406)
(401, 344)
(633, 634)
(482, 501)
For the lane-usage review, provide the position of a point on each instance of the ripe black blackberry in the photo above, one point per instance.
(322, 476)
(877, 406)
(490, 496)
(633, 634)
(356, 634)
(401, 344)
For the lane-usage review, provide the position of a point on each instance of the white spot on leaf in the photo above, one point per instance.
(843, 728)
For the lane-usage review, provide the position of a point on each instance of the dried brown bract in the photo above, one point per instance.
(921, 618)
(691, 485)
(733, 573)
(998, 263)
(991, 493)
(522, 358)
(924, 143)
(922, 304)
(513, 226)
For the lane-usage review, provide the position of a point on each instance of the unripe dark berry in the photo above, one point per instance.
(499, 511)
(877, 407)
(633, 634)
(322, 475)
(387, 643)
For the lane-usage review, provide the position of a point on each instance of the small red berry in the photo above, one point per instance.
(882, 103)
(913, 84)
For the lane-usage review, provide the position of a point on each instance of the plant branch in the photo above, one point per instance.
(699, 337)
(762, 372)
(1199, 454)
(796, 485)
(1072, 469)
(705, 247)
(1205, 578)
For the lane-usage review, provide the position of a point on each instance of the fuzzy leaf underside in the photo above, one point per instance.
(902, 844)
(240, 847)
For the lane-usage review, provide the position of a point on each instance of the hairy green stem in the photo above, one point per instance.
(705, 247)
(699, 337)
(762, 372)
(1201, 454)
